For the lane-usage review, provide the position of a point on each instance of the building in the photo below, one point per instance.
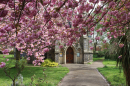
(78, 53)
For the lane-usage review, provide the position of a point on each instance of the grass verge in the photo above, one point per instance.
(10, 57)
(112, 73)
(98, 58)
(53, 75)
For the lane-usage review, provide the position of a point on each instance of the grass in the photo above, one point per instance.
(95, 58)
(108, 62)
(54, 75)
(10, 57)
(90, 63)
(112, 73)
(6, 56)
(98, 58)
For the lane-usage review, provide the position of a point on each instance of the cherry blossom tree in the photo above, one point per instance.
(33, 26)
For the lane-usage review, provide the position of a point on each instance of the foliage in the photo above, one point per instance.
(40, 80)
(95, 55)
(49, 63)
(124, 60)
(18, 68)
(120, 51)
(11, 62)
(112, 73)
(111, 56)
(100, 53)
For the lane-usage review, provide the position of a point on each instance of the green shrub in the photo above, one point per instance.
(100, 53)
(95, 55)
(112, 56)
(49, 63)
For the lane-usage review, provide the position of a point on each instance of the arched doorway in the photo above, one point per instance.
(69, 55)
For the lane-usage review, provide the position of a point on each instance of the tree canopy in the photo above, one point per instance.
(33, 26)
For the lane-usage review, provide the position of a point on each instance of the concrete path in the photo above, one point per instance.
(83, 75)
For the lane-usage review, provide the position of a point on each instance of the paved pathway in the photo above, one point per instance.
(83, 75)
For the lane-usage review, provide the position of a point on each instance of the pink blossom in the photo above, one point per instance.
(54, 14)
(39, 63)
(7, 59)
(5, 51)
(108, 33)
(91, 48)
(45, 49)
(104, 41)
(30, 52)
(120, 56)
(42, 60)
(2, 64)
(28, 58)
(101, 33)
(97, 38)
(115, 36)
(91, 33)
(99, 30)
(92, 29)
(60, 46)
(111, 4)
(38, 29)
(110, 37)
(33, 62)
(121, 45)
(3, 13)
(90, 41)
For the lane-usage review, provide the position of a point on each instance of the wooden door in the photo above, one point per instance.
(69, 55)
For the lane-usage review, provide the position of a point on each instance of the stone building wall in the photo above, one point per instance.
(51, 54)
(82, 52)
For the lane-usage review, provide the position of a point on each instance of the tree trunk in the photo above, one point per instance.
(13, 82)
(95, 45)
(31, 59)
(17, 57)
(127, 74)
(17, 54)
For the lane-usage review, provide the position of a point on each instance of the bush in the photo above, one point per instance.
(95, 55)
(100, 53)
(49, 63)
(112, 56)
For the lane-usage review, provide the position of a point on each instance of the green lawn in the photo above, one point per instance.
(10, 57)
(6, 56)
(98, 58)
(54, 75)
(108, 62)
(112, 73)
